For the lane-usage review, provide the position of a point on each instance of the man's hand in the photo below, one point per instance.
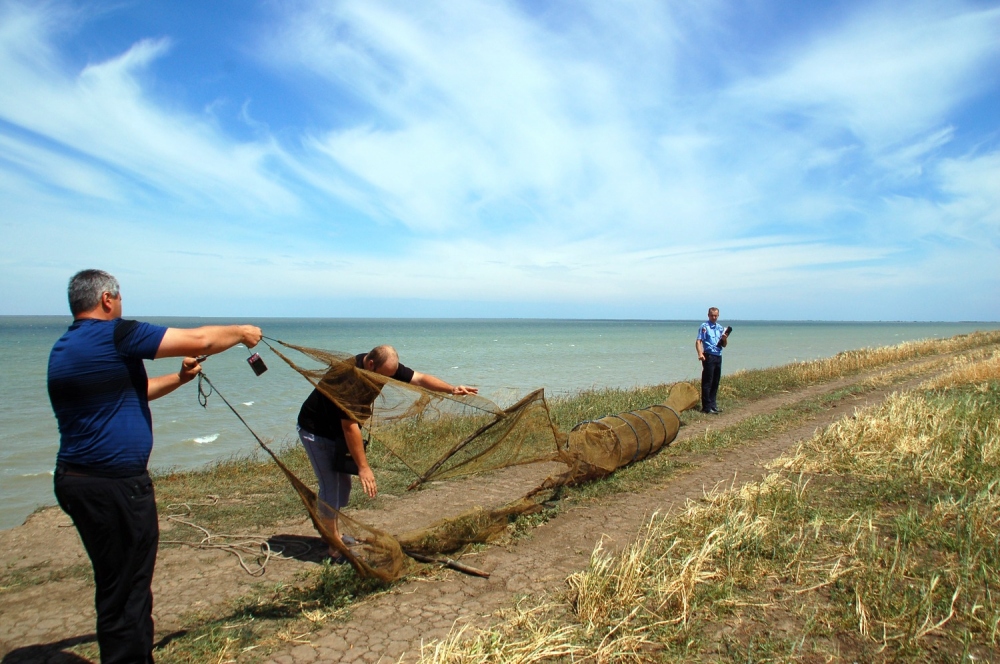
(429, 382)
(164, 385)
(367, 478)
(190, 367)
(356, 447)
(251, 335)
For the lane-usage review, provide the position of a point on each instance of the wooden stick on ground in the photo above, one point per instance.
(447, 562)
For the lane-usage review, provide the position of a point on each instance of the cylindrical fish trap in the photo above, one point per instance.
(618, 440)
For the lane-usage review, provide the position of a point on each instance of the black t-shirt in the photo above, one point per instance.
(322, 417)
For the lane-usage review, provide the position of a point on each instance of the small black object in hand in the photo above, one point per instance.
(257, 363)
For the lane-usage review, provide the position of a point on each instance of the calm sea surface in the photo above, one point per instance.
(504, 358)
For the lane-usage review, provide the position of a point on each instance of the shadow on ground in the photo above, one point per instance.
(53, 653)
(300, 547)
(50, 653)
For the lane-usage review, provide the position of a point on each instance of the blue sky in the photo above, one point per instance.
(584, 159)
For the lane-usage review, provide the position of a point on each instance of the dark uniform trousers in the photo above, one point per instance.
(116, 519)
(711, 374)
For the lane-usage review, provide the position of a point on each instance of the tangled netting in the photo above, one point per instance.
(440, 436)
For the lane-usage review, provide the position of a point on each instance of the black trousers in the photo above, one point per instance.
(711, 374)
(116, 519)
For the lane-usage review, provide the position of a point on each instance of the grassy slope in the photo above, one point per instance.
(250, 492)
(877, 540)
(228, 495)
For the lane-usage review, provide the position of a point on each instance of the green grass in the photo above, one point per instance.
(249, 489)
(747, 431)
(760, 426)
(16, 578)
(229, 495)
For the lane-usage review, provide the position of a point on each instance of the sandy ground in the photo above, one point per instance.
(40, 622)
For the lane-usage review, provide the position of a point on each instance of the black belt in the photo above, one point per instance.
(72, 470)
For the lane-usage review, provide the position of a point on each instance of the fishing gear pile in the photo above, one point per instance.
(440, 436)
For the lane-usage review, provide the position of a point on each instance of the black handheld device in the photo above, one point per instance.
(256, 363)
(729, 330)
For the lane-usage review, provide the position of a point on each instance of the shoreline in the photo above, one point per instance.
(567, 359)
(777, 405)
(66, 318)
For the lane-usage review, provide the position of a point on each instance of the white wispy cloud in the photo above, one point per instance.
(608, 155)
(474, 106)
(102, 114)
(884, 75)
(33, 166)
(479, 104)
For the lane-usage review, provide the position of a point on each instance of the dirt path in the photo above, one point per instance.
(39, 621)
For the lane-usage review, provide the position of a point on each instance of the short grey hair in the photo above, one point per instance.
(87, 287)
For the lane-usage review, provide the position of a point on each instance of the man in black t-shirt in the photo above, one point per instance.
(332, 437)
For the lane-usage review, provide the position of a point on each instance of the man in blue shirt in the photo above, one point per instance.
(100, 395)
(712, 338)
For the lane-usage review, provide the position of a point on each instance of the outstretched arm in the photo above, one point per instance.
(208, 340)
(435, 384)
(163, 385)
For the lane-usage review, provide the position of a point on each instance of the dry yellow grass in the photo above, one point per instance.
(755, 383)
(867, 358)
(966, 370)
(877, 540)
(523, 635)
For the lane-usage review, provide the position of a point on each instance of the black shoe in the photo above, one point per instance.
(715, 411)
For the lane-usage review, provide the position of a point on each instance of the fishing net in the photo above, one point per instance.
(440, 436)
(372, 552)
(435, 435)
(597, 448)
(477, 525)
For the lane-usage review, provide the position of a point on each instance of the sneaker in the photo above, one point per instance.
(715, 411)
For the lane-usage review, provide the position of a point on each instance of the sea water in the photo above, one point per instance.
(504, 358)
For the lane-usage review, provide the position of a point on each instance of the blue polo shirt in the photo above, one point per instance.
(98, 388)
(710, 334)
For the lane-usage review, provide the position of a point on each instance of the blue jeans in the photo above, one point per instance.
(334, 487)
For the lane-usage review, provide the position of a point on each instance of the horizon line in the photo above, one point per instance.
(523, 318)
